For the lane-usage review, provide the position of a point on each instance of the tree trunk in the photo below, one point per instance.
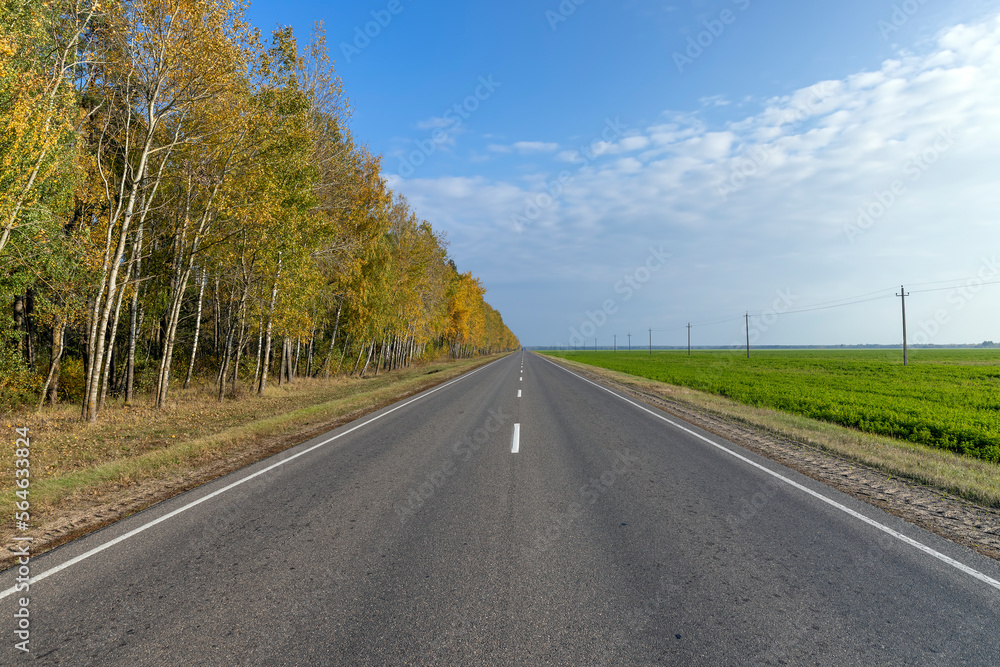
(120, 219)
(281, 363)
(134, 323)
(270, 325)
(241, 341)
(19, 321)
(369, 359)
(340, 364)
(108, 373)
(309, 354)
(169, 339)
(224, 362)
(333, 340)
(227, 353)
(197, 329)
(358, 362)
(381, 354)
(29, 327)
(51, 388)
(260, 351)
(218, 318)
(184, 253)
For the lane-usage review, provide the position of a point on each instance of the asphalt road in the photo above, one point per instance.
(416, 536)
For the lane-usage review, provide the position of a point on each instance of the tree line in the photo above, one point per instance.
(182, 200)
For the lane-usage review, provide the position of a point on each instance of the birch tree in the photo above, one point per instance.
(163, 58)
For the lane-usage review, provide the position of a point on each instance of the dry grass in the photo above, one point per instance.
(969, 478)
(76, 465)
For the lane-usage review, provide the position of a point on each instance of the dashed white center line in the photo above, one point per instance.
(516, 440)
(521, 380)
(519, 393)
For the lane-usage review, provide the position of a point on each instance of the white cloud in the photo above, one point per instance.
(768, 201)
(525, 147)
(536, 146)
(435, 123)
(634, 143)
(713, 101)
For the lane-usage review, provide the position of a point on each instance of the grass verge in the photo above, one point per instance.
(969, 478)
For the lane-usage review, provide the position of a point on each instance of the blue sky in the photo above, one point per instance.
(608, 168)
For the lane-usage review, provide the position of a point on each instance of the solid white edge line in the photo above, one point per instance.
(833, 503)
(515, 443)
(135, 531)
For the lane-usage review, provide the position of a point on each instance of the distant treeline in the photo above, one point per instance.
(182, 201)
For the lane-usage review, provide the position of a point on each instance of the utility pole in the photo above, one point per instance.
(615, 348)
(689, 339)
(902, 295)
(630, 342)
(595, 345)
(651, 341)
(748, 334)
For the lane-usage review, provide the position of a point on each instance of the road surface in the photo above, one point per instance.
(518, 515)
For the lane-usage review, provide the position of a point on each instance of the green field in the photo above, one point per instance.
(944, 398)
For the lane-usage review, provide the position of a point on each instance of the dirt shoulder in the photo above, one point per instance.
(971, 524)
(80, 500)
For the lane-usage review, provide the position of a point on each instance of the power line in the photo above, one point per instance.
(839, 305)
(955, 280)
(877, 295)
(941, 289)
(708, 324)
(835, 303)
(852, 300)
